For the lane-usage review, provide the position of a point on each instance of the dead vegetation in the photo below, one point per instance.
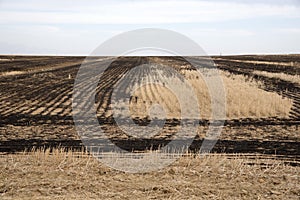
(282, 76)
(244, 98)
(68, 175)
(36, 110)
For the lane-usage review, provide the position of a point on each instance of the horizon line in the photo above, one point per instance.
(213, 55)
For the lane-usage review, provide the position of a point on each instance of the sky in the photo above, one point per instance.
(56, 27)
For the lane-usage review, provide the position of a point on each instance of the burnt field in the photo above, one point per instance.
(257, 155)
(263, 109)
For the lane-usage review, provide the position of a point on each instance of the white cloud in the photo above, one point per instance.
(289, 30)
(140, 12)
(54, 26)
(214, 32)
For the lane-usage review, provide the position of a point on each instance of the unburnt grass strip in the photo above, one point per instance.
(67, 174)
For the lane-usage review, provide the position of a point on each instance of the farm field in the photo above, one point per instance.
(258, 146)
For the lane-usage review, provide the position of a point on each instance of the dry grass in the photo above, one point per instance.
(244, 98)
(69, 175)
(282, 76)
(256, 62)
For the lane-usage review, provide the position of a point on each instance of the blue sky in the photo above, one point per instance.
(219, 26)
